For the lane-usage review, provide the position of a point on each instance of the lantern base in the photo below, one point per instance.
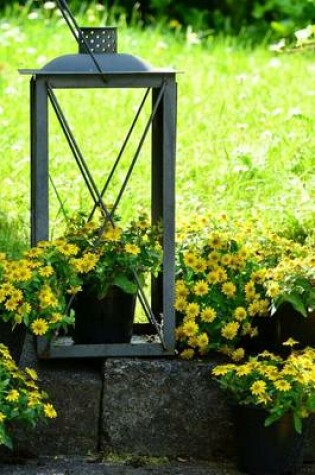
(143, 343)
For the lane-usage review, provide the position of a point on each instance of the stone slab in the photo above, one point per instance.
(75, 389)
(164, 407)
(168, 407)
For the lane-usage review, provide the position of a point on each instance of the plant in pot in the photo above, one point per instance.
(21, 400)
(112, 261)
(34, 290)
(271, 398)
(220, 296)
(291, 285)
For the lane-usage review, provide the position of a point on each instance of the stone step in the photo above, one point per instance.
(146, 407)
(82, 466)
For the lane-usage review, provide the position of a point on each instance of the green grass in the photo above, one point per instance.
(245, 125)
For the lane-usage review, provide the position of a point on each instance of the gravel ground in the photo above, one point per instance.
(86, 466)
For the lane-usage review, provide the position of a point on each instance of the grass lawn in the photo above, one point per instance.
(245, 126)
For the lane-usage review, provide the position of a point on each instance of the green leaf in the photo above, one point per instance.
(296, 301)
(271, 419)
(127, 285)
(297, 422)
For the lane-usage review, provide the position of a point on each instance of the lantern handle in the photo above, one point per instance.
(77, 32)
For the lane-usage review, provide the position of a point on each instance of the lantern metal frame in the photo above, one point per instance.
(111, 71)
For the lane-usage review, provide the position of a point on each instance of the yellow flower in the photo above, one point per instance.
(213, 277)
(258, 388)
(113, 234)
(259, 276)
(50, 411)
(56, 317)
(39, 326)
(202, 340)
(290, 342)
(181, 291)
(273, 289)
(34, 252)
(229, 289)
(46, 271)
(229, 331)
(23, 274)
(192, 310)
(86, 263)
(47, 298)
(73, 290)
(199, 266)
(213, 258)
(240, 313)
(221, 274)
(271, 372)
(68, 249)
(132, 249)
(11, 305)
(34, 397)
(2, 417)
(254, 308)
(7, 288)
(215, 241)
(180, 304)
(32, 373)
(282, 385)
(201, 287)
(187, 354)
(246, 328)
(179, 334)
(193, 341)
(250, 290)
(243, 370)
(222, 370)
(238, 354)
(180, 284)
(208, 314)
(264, 399)
(25, 309)
(190, 259)
(3, 296)
(226, 259)
(190, 328)
(17, 295)
(13, 395)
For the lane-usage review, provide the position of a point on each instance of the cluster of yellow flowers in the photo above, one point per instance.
(219, 289)
(278, 385)
(20, 397)
(33, 289)
(293, 279)
(230, 273)
(110, 254)
(36, 289)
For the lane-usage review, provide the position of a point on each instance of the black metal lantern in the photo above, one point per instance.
(98, 65)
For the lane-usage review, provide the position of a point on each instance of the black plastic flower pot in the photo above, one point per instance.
(13, 339)
(292, 324)
(107, 320)
(273, 450)
(265, 340)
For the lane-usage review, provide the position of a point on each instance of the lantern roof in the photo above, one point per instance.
(109, 63)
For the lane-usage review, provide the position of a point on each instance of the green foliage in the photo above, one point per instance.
(118, 252)
(245, 145)
(21, 401)
(278, 386)
(228, 16)
(13, 238)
